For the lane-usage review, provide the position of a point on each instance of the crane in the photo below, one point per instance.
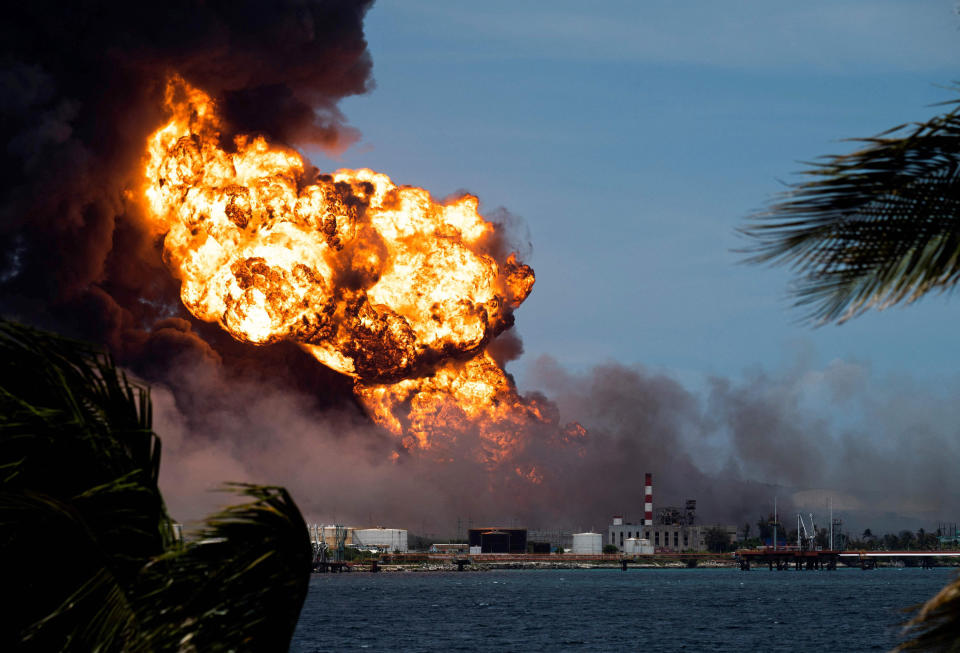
(806, 538)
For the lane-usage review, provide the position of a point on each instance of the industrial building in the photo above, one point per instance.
(383, 539)
(662, 537)
(498, 540)
(668, 529)
(587, 543)
(637, 546)
(549, 540)
(454, 547)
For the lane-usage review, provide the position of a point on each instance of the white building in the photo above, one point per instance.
(674, 538)
(587, 543)
(662, 537)
(385, 539)
(637, 546)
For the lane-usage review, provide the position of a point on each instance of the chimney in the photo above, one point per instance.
(648, 501)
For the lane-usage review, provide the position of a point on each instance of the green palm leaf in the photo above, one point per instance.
(872, 228)
(79, 502)
(239, 586)
(84, 535)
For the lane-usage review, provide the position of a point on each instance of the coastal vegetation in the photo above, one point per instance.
(903, 540)
(717, 540)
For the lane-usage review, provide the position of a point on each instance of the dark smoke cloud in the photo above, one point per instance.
(885, 446)
(81, 87)
(881, 448)
(340, 467)
(642, 422)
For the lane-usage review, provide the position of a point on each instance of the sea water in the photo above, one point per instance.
(611, 610)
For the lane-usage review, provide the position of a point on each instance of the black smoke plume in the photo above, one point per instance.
(81, 87)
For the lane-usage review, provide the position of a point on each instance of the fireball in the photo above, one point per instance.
(375, 280)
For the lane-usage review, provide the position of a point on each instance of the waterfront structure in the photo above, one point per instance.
(326, 534)
(587, 543)
(667, 529)
(384, 539)
(664, 537)
(552, 539)
(498, 540)
(637, 546)
(948, 535)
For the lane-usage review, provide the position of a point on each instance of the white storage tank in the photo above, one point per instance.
(587, 543)
(386, 539)
(637, 546)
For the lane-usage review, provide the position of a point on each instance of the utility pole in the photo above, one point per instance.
(831, 523)
(774, 522)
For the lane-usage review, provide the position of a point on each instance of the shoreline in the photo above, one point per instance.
(438, 566)
(533, 566)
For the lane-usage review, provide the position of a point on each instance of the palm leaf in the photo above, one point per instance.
(936, 627)
(239, 586)
(80, 510)
(872, 228)
(84, 535)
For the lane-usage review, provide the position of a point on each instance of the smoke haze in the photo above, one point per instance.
(732, 445)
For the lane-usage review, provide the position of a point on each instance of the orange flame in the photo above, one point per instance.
(376, 280)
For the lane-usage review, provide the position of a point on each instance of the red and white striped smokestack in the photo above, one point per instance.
(648, 501)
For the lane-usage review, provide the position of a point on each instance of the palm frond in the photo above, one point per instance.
(69, 594)
(84, 534)
(239, 586)
(76, 379)
(936, 626)
(80, 509)
(872, 228)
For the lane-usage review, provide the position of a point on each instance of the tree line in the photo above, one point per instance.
(904, 540)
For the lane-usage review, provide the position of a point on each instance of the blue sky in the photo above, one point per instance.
(632, 138)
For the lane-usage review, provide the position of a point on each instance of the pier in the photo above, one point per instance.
(783, 558)
(786, 557)
(325, 566)
(773, 558)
